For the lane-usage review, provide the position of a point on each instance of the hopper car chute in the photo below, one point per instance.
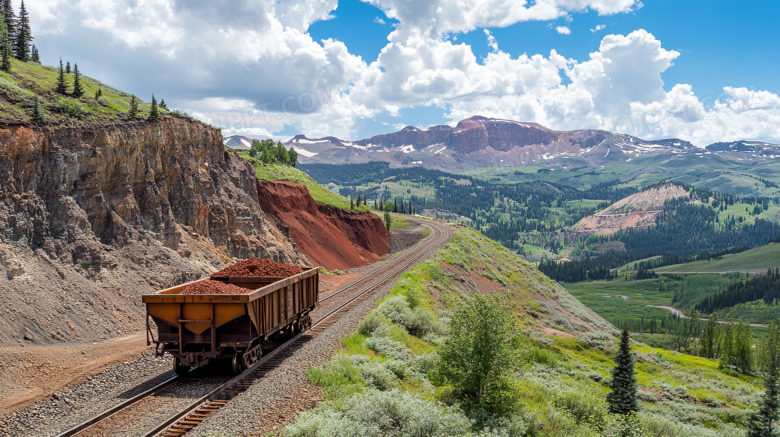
(198, 329)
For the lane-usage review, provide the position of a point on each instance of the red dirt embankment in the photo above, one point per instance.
(333, 238)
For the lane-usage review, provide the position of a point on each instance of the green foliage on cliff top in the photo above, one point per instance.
(26, 80)
(275, 172)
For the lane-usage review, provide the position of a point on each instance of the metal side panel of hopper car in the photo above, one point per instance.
(198, 329)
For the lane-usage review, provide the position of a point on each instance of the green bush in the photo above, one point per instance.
(396, 309)
(389, 348)
(382, 414)
(543, 356)
(12, 91)
(371, 322)
(72, 108)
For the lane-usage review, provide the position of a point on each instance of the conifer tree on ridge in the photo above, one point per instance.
(23, 36)
(62, 85)
(78, 90)
(154, 113)
(132, 113)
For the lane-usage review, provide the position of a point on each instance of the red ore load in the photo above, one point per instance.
(214, 287)
(258, 267)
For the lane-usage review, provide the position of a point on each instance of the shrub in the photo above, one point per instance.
(72, 108)
(338, 371)
(371, 322)
(425, 363)
(396, 309)
(584, 407)
(380, 414)
(422, 322)
(12, 91)
(389, 348)
(377, 375)
(597, 340)
(543, 356)
(399, 368)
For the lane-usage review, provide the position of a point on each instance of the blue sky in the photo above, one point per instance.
(721, 43)
(400, 62)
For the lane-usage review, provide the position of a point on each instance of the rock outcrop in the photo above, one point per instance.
(96, 215)
(333, 238)
(636, 211)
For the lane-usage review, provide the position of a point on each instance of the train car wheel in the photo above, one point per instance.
(237, 365)
(178, 368)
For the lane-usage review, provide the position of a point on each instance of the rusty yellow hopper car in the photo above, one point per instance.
(199, 329)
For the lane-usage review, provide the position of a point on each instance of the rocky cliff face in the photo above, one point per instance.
(96, 215)
(329, 237)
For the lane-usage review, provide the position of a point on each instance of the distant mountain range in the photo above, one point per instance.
(479, 142)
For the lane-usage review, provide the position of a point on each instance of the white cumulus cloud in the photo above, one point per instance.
(563, 30)
(252, 67)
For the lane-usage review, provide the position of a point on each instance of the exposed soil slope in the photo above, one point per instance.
(330, 237)
(94, 216)
(635, 211)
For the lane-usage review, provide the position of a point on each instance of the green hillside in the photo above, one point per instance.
(386, 377)
(756, 260)
(28, 80)
(277, 172)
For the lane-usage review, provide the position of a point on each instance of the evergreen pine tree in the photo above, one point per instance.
(154, 113)
(622, 398)
(23, 36)
(163, 105)
(67, 67)
(9, 19)
(78, 90)
(387, 220)
(5, 52)
(98, 94)
(38, 113)
(351, 203)
(62, 86)
(36, 57)
(132, 113)
(761, 423)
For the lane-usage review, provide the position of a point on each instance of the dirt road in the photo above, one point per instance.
(682, 315)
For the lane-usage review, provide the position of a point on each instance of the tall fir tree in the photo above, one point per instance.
(5, 48)
(762, 422)
(37, 116)
(78, 89)
(23, 36)
(154, 113)
(36, 57)
(622, 397)
(67, 67)
(163, 104)
(9, 18)
(132, 113)
(62, 84)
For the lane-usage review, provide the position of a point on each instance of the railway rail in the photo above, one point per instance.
(193, 414)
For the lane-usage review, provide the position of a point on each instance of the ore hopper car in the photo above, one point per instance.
(198, 329)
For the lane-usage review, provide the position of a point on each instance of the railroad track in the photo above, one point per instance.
(193, 414)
